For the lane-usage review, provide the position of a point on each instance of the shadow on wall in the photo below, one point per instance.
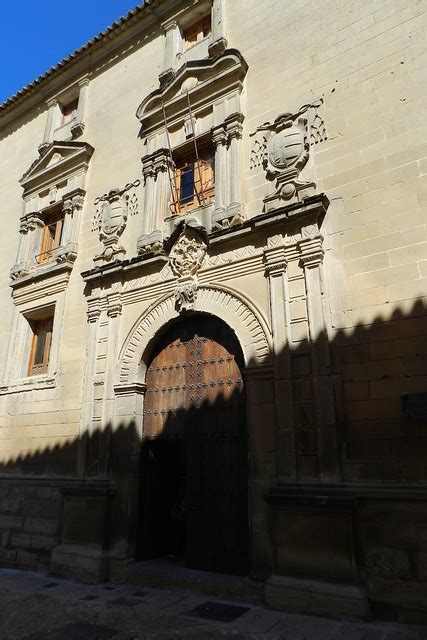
(378, 377)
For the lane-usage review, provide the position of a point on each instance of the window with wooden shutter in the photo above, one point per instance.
(50, 237)
(196, 32)
(194, 181)
(68, 111)
(40, 345)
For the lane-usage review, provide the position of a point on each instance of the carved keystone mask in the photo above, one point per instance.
(187, 254)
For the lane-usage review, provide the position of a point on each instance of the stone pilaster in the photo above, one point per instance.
(311, 259)
(219, 42)
(234, 129)
(86, 428)
(172, 48)
(219, 138)
(79, 124)
(275, 269)
(155, 168)
(50, 125)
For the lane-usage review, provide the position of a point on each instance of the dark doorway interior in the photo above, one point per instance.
(195, 466)
(164, 480)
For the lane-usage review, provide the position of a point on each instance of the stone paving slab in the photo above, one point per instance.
(31, 610)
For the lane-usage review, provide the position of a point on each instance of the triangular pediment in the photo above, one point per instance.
(57, 161)
(202, 79)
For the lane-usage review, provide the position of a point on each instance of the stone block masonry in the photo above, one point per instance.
(30, 515)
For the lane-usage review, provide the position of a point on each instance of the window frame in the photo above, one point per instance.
(68, 111)
(202, 28)
(203, 171)
(40, 327)
(48, 244)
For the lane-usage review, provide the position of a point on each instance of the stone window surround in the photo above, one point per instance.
(30, 237)
(226, 206)
(74, 128)
(214, 89)
(55, 181)
(174, 54)
(16, 378)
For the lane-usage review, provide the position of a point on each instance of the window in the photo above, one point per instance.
(40, 345)
(50, 237)
(196, 32)
(194, 181)
(68, 111)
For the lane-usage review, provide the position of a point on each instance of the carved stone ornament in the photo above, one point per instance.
(284, 152)
(188, 252)
(113, 209)
(185, 293)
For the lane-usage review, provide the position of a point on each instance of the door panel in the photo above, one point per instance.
(195, 393)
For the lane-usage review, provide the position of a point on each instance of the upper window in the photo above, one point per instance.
(40, 345)
(196, 32)
(68, 111)
(194, 180)
(50, 237)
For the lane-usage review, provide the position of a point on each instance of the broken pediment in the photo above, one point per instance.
(203, 80)
(57, 162)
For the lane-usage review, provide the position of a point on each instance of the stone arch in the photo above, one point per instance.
(233, 308)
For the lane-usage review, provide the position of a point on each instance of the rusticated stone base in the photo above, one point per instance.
(315, 597)
(30, 516)
(80, 563)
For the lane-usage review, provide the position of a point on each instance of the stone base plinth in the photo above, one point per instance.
(315, 597)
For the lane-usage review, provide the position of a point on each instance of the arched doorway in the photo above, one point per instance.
(195, 465)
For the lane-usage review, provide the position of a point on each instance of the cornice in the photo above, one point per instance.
(40, 174)
(313, 207)
(230, 67)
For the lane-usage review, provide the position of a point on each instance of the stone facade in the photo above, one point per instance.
(313, 251)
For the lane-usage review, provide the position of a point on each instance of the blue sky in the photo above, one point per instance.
(37, 34)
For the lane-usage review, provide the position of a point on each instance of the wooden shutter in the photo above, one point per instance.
(40, 347)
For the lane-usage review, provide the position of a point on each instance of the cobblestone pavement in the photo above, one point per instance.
(36, 607)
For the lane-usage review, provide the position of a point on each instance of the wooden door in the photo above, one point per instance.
(195, 393)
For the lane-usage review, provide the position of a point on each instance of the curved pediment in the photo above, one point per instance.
(203, 79)
(59, 160)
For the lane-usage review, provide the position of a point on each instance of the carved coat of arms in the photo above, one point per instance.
(287, 147)
(186, 258)
(111, 217)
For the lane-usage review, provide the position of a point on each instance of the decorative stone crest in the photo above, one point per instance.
(187, 254)
(186, 258)
(185, 293)
(113, 209)
(284, 154)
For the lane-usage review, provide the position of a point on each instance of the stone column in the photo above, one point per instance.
(172, 48)
(219, 138)
(163, 196)
(128, 415)
(50, 124)
(219, 43)
(234, 131)
(311, 258)
(86, 425)
(156, 199)
(262, 465)
(114, 310)
(79, 125)
(275, 267)
(148, 174)
(35, 226)
(72, 207)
